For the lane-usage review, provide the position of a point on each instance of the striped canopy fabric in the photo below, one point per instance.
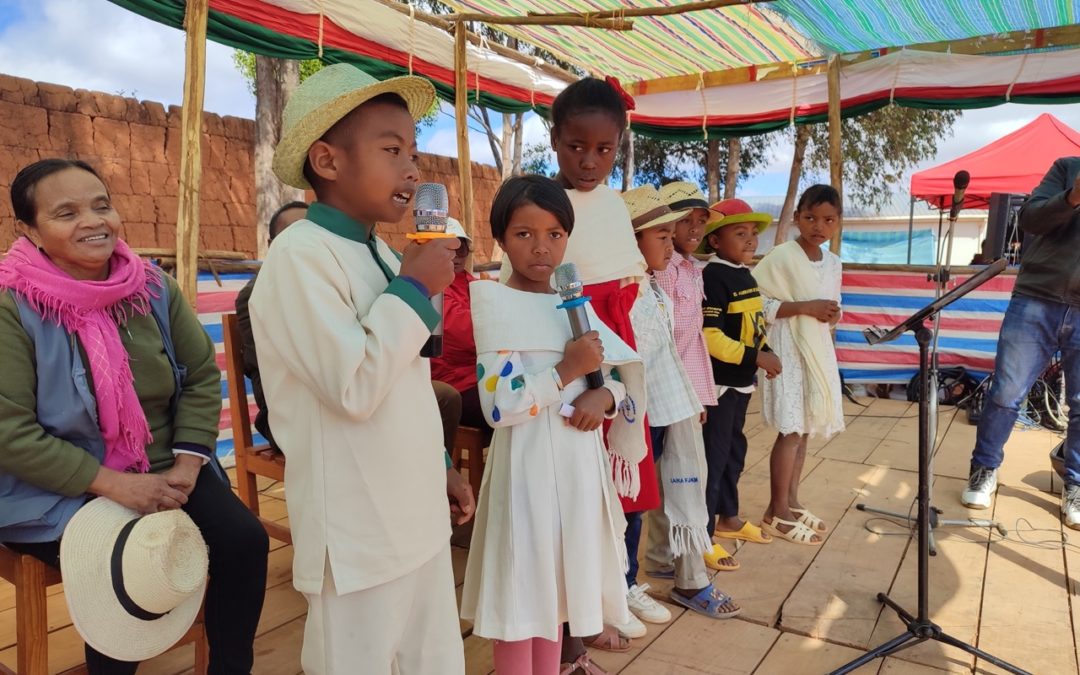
(721, 71)
(666, 46)
(846, 26)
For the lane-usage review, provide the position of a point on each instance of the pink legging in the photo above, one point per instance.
(535, 656)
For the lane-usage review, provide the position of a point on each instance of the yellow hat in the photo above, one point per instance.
(728, 212)
(323, 99)
(647, 208)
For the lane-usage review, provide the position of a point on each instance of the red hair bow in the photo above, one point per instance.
(627, 99)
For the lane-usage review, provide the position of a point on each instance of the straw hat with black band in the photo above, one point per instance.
(647, 208)
(729, 212)
(327, 97)
(134, 584)
(680, 195)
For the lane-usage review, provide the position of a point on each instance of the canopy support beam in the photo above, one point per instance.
(187, 217)
(461, 118)
(836, 155)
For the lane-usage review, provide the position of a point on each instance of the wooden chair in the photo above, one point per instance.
(31, 577)
(471, 441)
(252, 460)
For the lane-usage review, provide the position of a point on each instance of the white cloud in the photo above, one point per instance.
(94, 44)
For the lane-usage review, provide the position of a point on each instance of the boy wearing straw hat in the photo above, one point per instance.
(674, 411)
(340, 323)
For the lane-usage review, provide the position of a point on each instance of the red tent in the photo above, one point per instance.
(1013, 163)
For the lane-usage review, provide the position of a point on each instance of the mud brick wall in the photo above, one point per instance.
(135, 146)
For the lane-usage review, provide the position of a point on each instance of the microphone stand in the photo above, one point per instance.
(929, 375)
(919, 628)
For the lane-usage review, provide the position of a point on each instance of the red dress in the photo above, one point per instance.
(612, 305)
(457, 365)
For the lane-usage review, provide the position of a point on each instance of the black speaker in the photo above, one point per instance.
(1004, 238)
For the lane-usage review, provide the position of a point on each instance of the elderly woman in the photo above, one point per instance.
(110, 388)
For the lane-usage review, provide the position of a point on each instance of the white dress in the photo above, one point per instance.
(547, 544)
(782, 398)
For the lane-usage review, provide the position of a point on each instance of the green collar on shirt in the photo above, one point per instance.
(339, 223)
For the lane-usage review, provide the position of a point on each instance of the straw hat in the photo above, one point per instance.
(327, 96)
(453, 226)
(133, 584)
(683, 195)
(647, 208)
(728, 212)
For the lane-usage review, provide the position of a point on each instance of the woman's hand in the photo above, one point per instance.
(184, 473)
(144, 493)
(590, 409)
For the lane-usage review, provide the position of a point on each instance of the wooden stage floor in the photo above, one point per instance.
(807, 609)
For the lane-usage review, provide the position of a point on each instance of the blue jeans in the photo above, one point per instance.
(1033, 330)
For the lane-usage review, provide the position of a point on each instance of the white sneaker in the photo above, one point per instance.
(644, 607)
(982, 484)
(1070, 506)
(630, 630)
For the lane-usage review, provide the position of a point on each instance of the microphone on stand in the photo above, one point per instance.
(574, 301)
(430, 207)
(960, 183)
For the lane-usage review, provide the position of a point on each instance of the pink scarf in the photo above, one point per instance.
(93, 310)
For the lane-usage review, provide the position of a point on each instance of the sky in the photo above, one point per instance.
(94, 44)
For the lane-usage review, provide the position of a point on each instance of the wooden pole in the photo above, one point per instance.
(655, 11)
(836, 157)
(787, 212)
(586, 20)
(461, 118)
(187, 217)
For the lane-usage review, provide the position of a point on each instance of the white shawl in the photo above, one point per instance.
(786, 275)
(509, 320)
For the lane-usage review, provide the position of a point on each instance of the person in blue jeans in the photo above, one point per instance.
(1043, 318)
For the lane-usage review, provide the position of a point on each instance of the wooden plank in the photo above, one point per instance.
(1025, 614)
(955, 591)
(616, 663)
(478, 658)
(798, 654)
(769, 572)
(1027, 462)
(695, 644)
(836, 598)
(895, 666)
(57, 615)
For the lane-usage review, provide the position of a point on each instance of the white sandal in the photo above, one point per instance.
(810, 520)
(798, 534)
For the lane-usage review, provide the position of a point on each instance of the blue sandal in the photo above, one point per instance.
(708, 602)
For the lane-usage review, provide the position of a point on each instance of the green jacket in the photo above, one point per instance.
(30, 453)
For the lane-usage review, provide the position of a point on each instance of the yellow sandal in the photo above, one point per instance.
(748, 532)
(718, 553)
